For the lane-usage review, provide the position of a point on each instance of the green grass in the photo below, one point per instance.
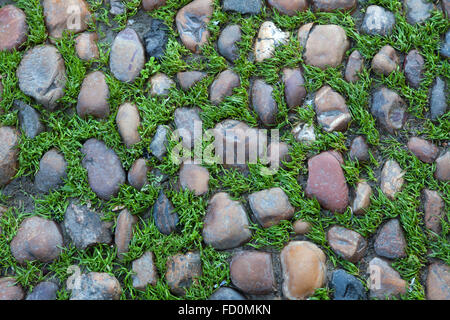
(67, 132)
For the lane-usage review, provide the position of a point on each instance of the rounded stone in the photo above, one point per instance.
(44, 291)
(355, 65)
(302, 227)
(183, 271)
(128, 122)
(137, 176)
(391, 179)
(30, 119)
(52, 171)
(86, 46)
(13, 28)
(9, 140)
(346, 286)
(194, 178)
(443, 167)
(263, 102)
(94, 96)
(331, 109)
(160, 85)
(96, 286)
(294, 87)
(289, 7)
(422, 149)
(385, 61)
(359, 150)
(9, 290)
(223, 86)
(225, 293)
(413, 68)
(145, 271)
(378, 20)
(189, 78)
(438, 282)
(150, 5)
(346, 243)
(124, 231)
(227, 42)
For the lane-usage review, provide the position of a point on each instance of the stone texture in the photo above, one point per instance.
(346, 286)
(278, 152)
(127, 56)
(160, 85)
(124, 231)
(96, 286)
(158, 146)
(105, 172)
(355, 65)
(117, 7)
(150, 5)
(183, 271)
(9, 290)
(389, 109)
(270, 206)
(223, 86)
(359, 150)
(188, 79)
(37, 239)
(300, 282)
(362, 198)
(331, 110)
(385, 61)
(269, 37)
(192, 23)
(137, 176)
(326, 181)
(304, 133)
(417, 11)
(332, 5)
(165, 217)
(294, 87)
(438, 99)
(346, 243)
(423, 149)
(13, 28)
(413, 68)
(187, 120)
(84, 227)
(302, 227)
(9, 140)
(227, 42)
(73, 16)
(94, 96)
(384, 282)
(244, 7)
(438, 282)
(303, 33)
(378, 20)
(263, 102)
(390, 241)
(326, 46)
(52, 171)
(434, 208)
(156, 38)
(29, 119)
(226, 224)
(128, 122)
(443, 167)
(145, 271)
(391, 179)
(195, 178)
(86, 46)
(445, 46)
(42, 75)
(44, 291)
(446, 7)
(289, 7)
(225, 293)
(252, 272)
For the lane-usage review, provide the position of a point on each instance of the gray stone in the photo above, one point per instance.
(378, 21)
(248, 6)
(188, 79)
(145, 271)
(187, 120)
(44, 291)
(95, 286)
(29, 119)
(52, 171)
(389, 109)
(263, 102)
(445, 46)
(155, 39)
(165, 217)
(346, 286)
(225, 293)
(417, 11)
(158, 147)
(227, 43)
(438, 100)
(413, 68)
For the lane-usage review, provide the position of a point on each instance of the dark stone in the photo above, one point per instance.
(52, 171)
(44, 291)
(158, 147)
(29, 119)
(413, 68)
(225, 293)
(346, 286)
(294, 87)
(227, 43)
(166, 219)
(263, 102)
(445, 46)
(390, 242)
(155, 39)
(248, 6)
(183, 271)
(438, 100)
(359, 150)
(389, 109)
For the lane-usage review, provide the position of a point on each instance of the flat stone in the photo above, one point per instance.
(164, 215)
(269, 37)
(384, 282)
(302, 227)
(434, 208)
(359, 150)
(326, 46)
(44, 291)
(438, 99)
(417, 11)
(378, 21)
(29, 119)
(137, 176)
(226, 224)
(9, 140)
(192, 21)
(145, 271)
(128, 122)
(160, 85)
(443, 167)
(304, 133)
(289, 7)
(150, 5)
(385, 61)
(187, 120)
(9, 290)
(270, 206)
(124, 231)
(227, 42)
(413, 68)
(183, 271)
(390, 241)
(389, 109)
(225, 293)
(244, 7)
(52, 171)
(438, 282)
(445, 46)
(294, 87)
(189, 78)
(94, 96)
(329, 6)
(391, 179)
(195, 178)
(86, 46)
(326, 181)
(158, 146)
(42, 75)
(37, 239)
(105, 172)
(223, 86)
(252, 272)
(84, 227)
(127, 56)
(263, 102)
(300, 283)
(13, 28)
(346, 286)
(156, 38)
(362, 198)
(355, 65)
(96, 286)
(73, 16)
(303, 33)
(423, 149)
(346, 243)
(331, 110)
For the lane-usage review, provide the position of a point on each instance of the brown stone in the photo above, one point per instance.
(86, 46)
(145, 271)
(348, 244)
(434, 210)
(359, 150)
(94, 96)
(438, 282)
(355, 65)
(422, 149)
(252, 272)
(413, 68)
(9, 290)
(195, 178)
(9, 140)
(124, 231)
(443, 167)
(128, 122)
(269, 37)
(391, 179)
(223, 86)
(302, 227)
(183, 271)
(137, 176)
(13, 28)
(362, 198)
(188, 79)
(263, 102)
(150, 5)
(331, 109)
(384, 282)
(385, 61)
(304, 269)
(289, 7)
(294, 87)
(303, 33)
(332, 5)
(390, 241)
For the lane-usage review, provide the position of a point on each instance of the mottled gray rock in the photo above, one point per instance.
(225, 293)
(346, 286)
(155, 39)
(227, 43)
(160, 85)
(145, 271)
(44, 291)
(417, 11)
(378, 20)
(183, 270)
(445, 46)
(95, 286)
(263, 102)
(390, 241)
(188, 79)
(304, 133)
(359, 150)
(294, 87)
(389, 109)
(164, 215)
(249, 6)
(438, 99)
(413, 68)
(52, 171)
(158, 146)
(187, 121)
(29, 119)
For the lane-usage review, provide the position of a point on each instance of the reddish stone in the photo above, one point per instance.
(438, 282)
(347, 243)
(137, 176)
(443, 167)
(384, 282)
(302, 227)
(9, 140)
(145, 269)
(9, 290)
(434, 210)
(354, 66)
(124, 231)
(150, 5)
(13, 28)
(289, 7)
(390, 241)
(183, 271)
(385, 61)
(94, 96)
(86, 46)
(294, 87)
(195, 178)
(422, 149)
(332, 5)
